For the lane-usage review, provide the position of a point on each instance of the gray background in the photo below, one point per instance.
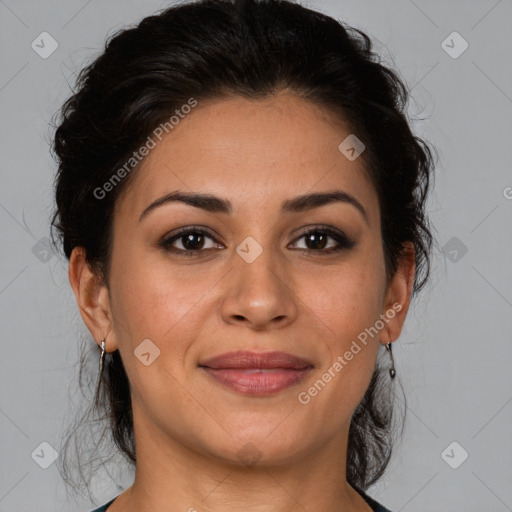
(453, 357)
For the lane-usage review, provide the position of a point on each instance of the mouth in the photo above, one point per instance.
(255, 373)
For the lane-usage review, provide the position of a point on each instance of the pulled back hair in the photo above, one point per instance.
(208, 50)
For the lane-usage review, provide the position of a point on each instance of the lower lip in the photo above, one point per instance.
(257, 381)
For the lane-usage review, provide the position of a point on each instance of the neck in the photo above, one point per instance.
(174, 477)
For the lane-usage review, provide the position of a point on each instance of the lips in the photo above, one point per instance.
(260, 360)
(255, 373)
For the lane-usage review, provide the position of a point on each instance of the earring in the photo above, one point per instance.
(392, 371)
(102, 355)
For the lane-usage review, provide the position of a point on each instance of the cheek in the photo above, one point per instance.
(345, 306)
(153, 296)
(344, 313)
(345, 299)
(149, 303)
(152, 300)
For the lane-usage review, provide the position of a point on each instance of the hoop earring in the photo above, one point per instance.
(392, 371)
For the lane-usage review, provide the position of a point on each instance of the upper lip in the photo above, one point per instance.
(246, 359)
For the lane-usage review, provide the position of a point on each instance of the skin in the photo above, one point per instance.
(189, 429)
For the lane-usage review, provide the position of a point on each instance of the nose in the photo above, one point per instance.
(259, 295)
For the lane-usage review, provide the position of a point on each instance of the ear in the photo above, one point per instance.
(91, 295)
(398, 295)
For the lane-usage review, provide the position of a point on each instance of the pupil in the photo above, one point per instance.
(192, 245)
(317, 244)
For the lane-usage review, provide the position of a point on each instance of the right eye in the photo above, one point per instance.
(192, 240)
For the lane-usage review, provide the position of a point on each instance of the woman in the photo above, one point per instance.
(242, 204)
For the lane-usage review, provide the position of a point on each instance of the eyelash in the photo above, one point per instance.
(344, 243)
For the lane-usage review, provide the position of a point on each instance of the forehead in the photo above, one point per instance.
(252, 152)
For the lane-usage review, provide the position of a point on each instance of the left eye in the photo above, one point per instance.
(317, 240)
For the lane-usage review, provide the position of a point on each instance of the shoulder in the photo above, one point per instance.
(103, 508)
(376, 506)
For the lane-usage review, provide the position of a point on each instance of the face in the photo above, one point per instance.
(254, 270)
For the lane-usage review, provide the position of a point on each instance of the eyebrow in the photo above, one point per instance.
(215, 204)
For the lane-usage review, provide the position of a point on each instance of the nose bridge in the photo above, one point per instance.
(258, 292)
(258, 266)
